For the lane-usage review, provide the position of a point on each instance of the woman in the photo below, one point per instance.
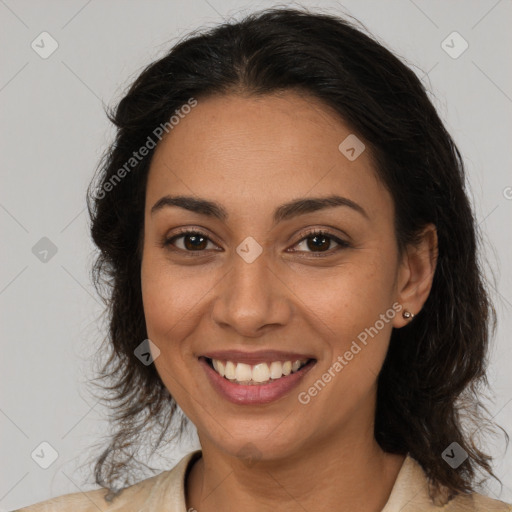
(292, 259)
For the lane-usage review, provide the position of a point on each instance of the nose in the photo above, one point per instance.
(251, 298)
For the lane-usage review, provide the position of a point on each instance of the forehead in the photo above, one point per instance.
(259, 150)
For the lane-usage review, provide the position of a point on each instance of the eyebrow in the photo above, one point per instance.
(284, 212)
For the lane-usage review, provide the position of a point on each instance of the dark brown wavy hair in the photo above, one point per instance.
(434, 373)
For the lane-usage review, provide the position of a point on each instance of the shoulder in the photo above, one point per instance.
(412, 492)
(159, 490)
(98, 499)
(476, 502)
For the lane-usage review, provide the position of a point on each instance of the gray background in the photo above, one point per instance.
(54, 131)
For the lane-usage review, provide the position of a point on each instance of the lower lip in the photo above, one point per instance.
(257, 393)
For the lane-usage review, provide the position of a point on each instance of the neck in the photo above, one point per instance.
(346, 476)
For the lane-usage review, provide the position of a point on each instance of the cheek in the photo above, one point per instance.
(357, 339)
(354, 294)
(156, 297)
(167, 294)
(175, 301)
(165, 304)
(354, 310)
(163, 308)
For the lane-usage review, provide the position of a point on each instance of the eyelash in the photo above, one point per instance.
(168, 242)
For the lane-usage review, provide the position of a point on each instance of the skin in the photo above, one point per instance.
(251, 155)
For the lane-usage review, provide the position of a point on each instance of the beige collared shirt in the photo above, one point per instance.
(166, 493)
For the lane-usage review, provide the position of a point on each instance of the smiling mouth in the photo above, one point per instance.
(257, 374)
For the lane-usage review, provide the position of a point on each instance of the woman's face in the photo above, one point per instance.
(255, 282)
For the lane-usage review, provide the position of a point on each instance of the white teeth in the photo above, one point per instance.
(230, 370)
(295, 366)
(261, 372)
(243, 372)
(220, 368)
(276, 370)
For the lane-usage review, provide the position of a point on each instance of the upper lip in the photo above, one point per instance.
(259, 356)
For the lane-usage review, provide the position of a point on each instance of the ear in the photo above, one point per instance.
(416, 274)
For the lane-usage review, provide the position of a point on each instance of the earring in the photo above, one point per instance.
(408, 314)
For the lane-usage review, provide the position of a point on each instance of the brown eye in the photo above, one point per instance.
(320, 242)
(192, 241)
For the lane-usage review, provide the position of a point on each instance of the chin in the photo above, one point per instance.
(259, 444)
